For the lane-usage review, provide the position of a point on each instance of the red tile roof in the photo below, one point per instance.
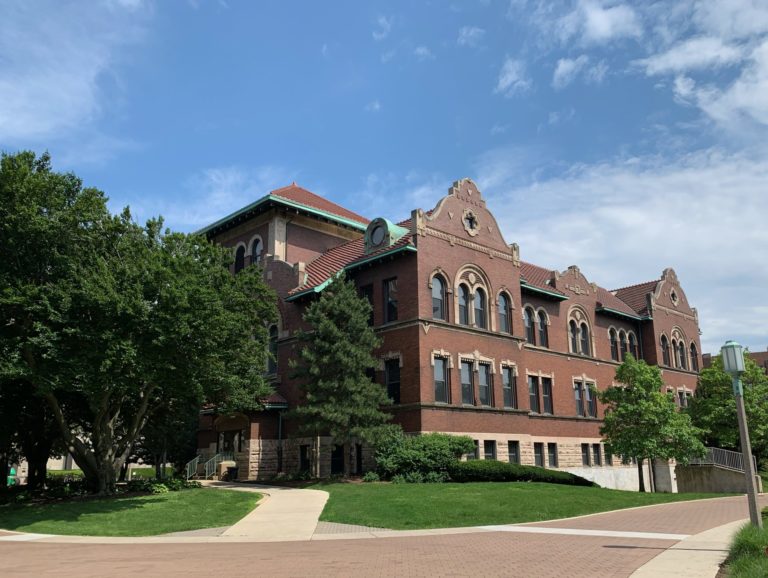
(635, 296)
(302, 196)
(346, 255)
(608, 300)
(538, 276)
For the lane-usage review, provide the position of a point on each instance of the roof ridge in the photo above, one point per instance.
(633, 286)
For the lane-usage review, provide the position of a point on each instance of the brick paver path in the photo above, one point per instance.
(471, 554)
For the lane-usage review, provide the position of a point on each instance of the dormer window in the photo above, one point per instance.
(381, 234)
(378, 234)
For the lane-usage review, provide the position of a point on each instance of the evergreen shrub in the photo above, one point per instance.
(399, 454)
(494, 471)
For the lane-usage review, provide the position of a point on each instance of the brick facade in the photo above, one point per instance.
(459, 245)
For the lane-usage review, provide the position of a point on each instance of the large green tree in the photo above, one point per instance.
(334, 367)
(644, 423)
(108, 321)
(713, 408)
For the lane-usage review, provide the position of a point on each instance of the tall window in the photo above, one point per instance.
(597, 457)
(614, 344)
(546, 394)
(552, 455)
(484, 385)
(675, 353)
(586, 402)
(504, 314)
(513, 448)
(585, 458)
(438, 298)
(467, 384)
(441, 380)
(272, 357)
(578, 394)
(585, 348)
(541, 318)
(489, 449)
(480, 320)
(533, 393)
(255, 252)
(463, 304)
(239, 259)
(633, 345)
(683, 356)
(623, 344)
(665, 351)
(390, 300)
(591, 398)
(509, 386)
(530, 330)
(694, 358)
(538, 454)
(366, 292)
(573, 333)
(392, 378)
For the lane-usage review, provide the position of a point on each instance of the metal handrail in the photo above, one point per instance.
(723, 458)
(213, 463)
(191, 467)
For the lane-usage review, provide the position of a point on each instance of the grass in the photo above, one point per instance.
(136, 473)
(414, 506)
(131, 515)
(748, 555)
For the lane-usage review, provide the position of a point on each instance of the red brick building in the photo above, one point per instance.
(475, 340)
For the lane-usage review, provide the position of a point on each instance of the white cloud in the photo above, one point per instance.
(597, 72)
(423, 53)
(373, 106)
(602, 22)
(560, 116)
(383, 28)
(692, 54)
(512, 78)
(567, 69)
(623, 221)
(56, 59)
(387, 56)
(470, 36)
(732, 19)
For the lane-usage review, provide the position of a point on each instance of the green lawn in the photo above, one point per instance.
(411, 506)
(136, 473)
(131, 516)
(747, 556)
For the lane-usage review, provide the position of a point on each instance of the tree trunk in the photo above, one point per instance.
(4, 470)
(347, 459)
(652, 474)
(317, 456)
(123, 472)
(640, 474)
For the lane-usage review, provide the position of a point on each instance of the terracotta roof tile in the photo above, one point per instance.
(538, 276)
(635, 296)
(608, 300)
(302, 196)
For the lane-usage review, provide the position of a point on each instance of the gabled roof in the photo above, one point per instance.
(635, 296)
(293, 197)
(346, 257)
(609, 303)
(537, 278)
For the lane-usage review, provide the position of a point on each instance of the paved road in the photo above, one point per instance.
(501, 553)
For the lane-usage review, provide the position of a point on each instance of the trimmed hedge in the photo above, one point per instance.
(493, 471)
(420, 457)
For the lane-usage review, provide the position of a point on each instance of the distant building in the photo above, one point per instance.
(475, 340)
(759, 357)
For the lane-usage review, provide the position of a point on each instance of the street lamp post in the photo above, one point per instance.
(733, 363)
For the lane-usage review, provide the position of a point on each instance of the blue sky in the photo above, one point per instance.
(621, 137)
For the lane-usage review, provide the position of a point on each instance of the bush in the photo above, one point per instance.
(493, 471)
(414, 477)
(747, 556)
(371, 477)
(398, 454)
(398, 479)
(139, 485)
(435, 477)
(158, 488)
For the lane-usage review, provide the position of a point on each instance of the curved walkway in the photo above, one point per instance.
(679, 539)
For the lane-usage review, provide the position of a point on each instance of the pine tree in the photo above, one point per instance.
(341, 400)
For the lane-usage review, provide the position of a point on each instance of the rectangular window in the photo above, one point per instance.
(390, 300)
(538, 454)
(589, 393)
(441, 379)
(585, 461)
(489, 449)
(467, 384)
(552, 455)
(513, 448)
(475, 455)
(546, 394)
(484, 384)
(682, 399)
(608, 457)
(533, 393)
(392, 378)
(509, 385)
(597, 457)
(578, 389)
(366, 292)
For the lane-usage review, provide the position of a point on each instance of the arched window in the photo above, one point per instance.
(585, 348)
(438, 298)
(256, 251)
(463, 304)
(541, 319)
(239, 258)
(665, 351)
(675, 353)
(623, 344)
(683, 355)
(272, 357)
(530, 331)
(480, 320)
(504, 314)
(614, 344)
(573, 331)
(694, 358)
(633, 345)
